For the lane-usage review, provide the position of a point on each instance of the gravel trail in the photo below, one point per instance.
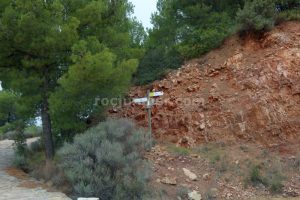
(10, 186)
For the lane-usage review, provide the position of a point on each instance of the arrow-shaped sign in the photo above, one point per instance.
(141, 100)
(145, 99)
(156, 94)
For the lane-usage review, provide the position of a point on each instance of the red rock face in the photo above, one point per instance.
(247, 89)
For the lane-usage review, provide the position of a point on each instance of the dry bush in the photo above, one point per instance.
(107, 162)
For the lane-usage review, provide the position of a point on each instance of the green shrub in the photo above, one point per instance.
(202, 39)
(270, 176)
(256, 16)
(222, 165)
(245, 149)
(210, 194)
(156, 64)
(20, 146)
(20, 161)
(182, 192)
(296, 163)
(274, 177)
(180, 151)
(107, 161)
(9, 135)
(32, 131)
(36, 146)
(35, 160)
(276, 186)
(256, 176)
(288, 15)
(8, 131)
(6, 128)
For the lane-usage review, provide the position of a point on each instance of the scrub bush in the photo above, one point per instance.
(256, 16)
(107, 162)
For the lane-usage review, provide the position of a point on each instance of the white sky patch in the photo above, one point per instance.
(143, 10)
(38, 121)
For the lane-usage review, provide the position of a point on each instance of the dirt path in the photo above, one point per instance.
(10, 186)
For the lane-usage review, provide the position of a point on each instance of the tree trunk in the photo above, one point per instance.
(46, 121)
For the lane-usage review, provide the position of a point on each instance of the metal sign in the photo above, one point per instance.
(145, 99)
(149, 102)
(156, 94)
(141, 100)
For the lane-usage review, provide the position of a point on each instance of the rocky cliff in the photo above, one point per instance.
(248, 89)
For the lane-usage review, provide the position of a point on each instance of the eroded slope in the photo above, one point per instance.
(248, 89)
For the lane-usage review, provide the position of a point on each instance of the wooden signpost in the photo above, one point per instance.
(149, 104)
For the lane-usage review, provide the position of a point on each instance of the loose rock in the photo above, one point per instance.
(190, 174)
(169, 181)
(214, 192)
(194, 195)
(206, 176)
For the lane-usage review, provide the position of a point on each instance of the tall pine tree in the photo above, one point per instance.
(64, 48)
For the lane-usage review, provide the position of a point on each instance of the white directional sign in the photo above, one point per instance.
(149, 102)
(141, 100)
(145, 99)
(156, 94)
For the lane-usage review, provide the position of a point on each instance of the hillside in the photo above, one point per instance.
(248, 89)
(225, 117)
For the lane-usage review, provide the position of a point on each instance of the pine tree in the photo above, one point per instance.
(8, 106)
(46, 49)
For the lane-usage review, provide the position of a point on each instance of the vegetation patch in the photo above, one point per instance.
(256, 16)
(180, 151)
(106, 161)
(270, 176)
(288, 15)
(182, 192)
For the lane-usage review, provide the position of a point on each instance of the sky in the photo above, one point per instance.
(143, 10)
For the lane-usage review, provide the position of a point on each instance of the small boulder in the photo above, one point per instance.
(191, 89)
(202, 126)
(206, 176)
(169, 181)
(194, 195)
(190, 174)
(214, 192)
